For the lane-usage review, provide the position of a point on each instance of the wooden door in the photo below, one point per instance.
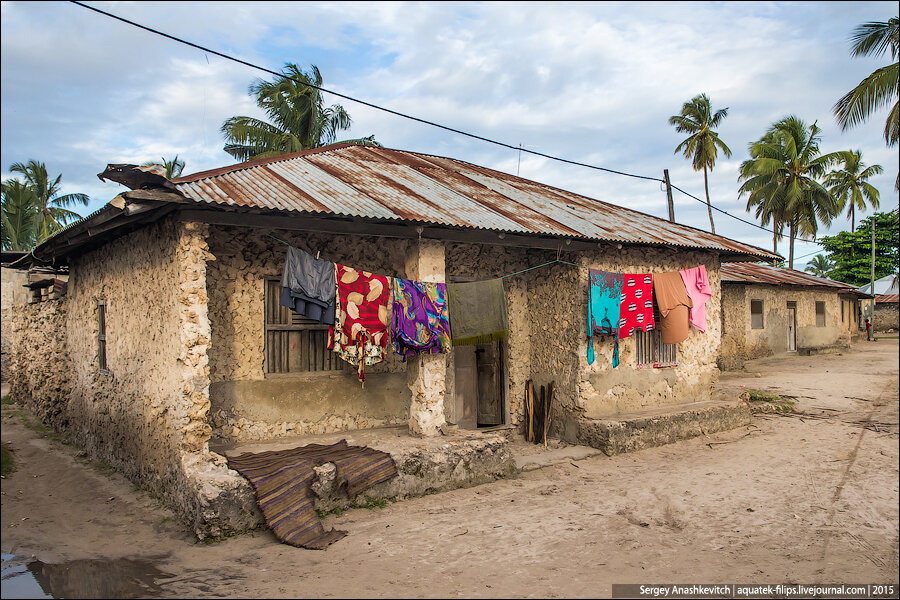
(465, 372)
(490, 400)
(792, 326)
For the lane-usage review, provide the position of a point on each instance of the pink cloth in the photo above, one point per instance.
(696, 284)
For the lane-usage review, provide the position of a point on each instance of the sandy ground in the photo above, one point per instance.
(810, 499)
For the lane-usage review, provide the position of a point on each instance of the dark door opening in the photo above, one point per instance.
(479, 385)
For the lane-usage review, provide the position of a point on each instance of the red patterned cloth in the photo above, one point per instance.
(636, 309)
(362, 315)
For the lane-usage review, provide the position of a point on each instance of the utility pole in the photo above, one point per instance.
(872, 284)
(669, 195)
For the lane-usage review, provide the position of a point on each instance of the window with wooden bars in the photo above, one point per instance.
(101, 337)
(294, 344)
(650, 351)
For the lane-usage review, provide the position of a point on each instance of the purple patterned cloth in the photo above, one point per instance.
(420, 323)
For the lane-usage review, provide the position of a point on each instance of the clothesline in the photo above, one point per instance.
(549, 262)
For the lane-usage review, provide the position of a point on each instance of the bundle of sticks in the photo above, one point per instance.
(537, 413)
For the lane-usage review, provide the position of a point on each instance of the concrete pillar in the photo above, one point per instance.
(426, 374)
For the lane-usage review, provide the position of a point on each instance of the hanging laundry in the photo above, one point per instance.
(604, 299)
(420, 323)
(308, 286)
(360, 330)
(674, 305)
(477, 312)
(636, 307)
(696, 284)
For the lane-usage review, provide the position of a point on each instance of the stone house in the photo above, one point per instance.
(767, 310)
(170, 340)
(887, 312)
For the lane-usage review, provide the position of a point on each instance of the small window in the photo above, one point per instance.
(101, 337)
(650, 351)
(842, 310)
(820, 314)
(294, 344)
(756, 314)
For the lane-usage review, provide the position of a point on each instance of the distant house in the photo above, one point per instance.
(887, 309)
(170, 341)
(767, 310)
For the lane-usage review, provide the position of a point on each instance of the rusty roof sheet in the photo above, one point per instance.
(887, 298)
(757, 273)
(395, 185)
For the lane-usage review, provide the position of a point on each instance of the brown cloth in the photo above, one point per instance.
(674, 305)
(282, 480)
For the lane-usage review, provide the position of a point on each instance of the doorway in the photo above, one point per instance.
(792, 326)
(480, 385)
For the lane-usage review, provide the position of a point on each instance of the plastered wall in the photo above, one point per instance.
(742, 342)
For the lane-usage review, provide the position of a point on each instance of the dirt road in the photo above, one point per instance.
(789, 499)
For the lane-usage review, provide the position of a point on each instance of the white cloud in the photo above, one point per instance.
(592, 82)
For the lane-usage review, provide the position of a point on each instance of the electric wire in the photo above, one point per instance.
(518, 148)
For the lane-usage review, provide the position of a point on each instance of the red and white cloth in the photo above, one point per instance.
(636, 308)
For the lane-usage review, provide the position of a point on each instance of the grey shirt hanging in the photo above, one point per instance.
(310, 276)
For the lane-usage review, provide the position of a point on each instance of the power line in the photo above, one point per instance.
(518, 148)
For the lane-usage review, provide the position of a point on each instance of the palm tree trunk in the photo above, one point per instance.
(852, 216)
(791, 252)
(774, 236)
(712, 226)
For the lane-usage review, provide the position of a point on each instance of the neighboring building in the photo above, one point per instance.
(887, 312)
(887, 290)
(767, 310)
(171, 337)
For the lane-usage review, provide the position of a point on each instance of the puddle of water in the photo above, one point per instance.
(119, 578)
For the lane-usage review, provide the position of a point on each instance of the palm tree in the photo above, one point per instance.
(819, 266)
(19, 216)
(299, 118)
(173, 167)
(782, 179)
(850, 187)
(878, 89)
(52, 209)
(703, 143)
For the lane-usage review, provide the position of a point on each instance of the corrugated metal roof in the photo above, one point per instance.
(757, 273)
(381, 183)
(887, 298)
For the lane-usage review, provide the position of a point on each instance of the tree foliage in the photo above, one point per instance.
(819, 266)
(880, 88)
(703, 144)
(850, 186)
(783, 180)
(299, 119)
(33, 208)
(851, 252)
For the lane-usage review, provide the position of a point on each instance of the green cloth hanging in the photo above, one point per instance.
(477, 312)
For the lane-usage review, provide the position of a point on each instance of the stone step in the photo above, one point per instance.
(646, 429)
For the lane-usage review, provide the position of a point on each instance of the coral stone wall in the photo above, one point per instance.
(248, 404)
(887, 316)
(12, 293)
(604, 391)
(147, 415)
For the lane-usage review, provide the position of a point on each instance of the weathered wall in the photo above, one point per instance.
(887, 316)
(12, 293)
(604, 391)
(248, 405)
(475, 262)
(148, 416)
(741, 342)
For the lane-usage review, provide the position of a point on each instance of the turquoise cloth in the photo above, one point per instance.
(604, 299)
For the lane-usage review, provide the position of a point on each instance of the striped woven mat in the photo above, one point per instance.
(282, 481)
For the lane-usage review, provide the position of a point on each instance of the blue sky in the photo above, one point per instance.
(591, 82)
